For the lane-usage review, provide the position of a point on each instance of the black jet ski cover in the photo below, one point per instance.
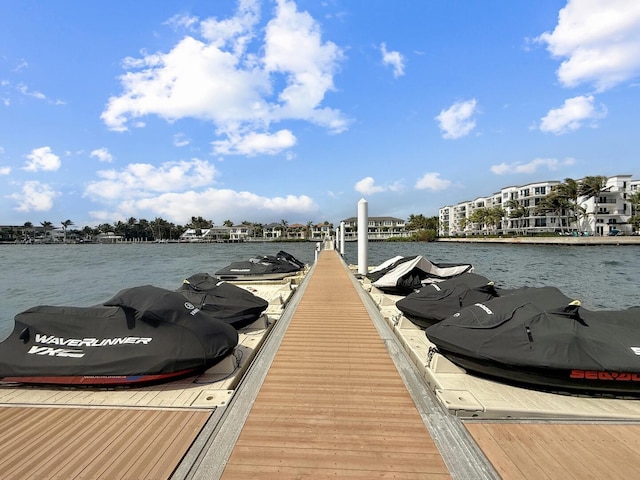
(290, 258)
(224, 301)
(436, 301)
(540, 337)
(262, 266)
(145, 331)
(403, 275)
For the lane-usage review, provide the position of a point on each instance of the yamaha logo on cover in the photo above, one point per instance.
(192, 307)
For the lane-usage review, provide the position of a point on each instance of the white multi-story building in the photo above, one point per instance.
(379, 228)
(603, 215)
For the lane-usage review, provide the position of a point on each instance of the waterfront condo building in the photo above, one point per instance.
(606, 214)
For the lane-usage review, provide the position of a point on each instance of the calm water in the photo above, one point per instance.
(602, 277)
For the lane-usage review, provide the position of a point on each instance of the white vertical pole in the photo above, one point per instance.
(363, 236)
(342, 238)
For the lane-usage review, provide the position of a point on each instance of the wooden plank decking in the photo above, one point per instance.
(90, 443)
(333, 404)
(562, 451)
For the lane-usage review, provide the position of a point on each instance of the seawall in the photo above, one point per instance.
(559, 240)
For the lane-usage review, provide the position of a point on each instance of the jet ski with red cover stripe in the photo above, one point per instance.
(541, 339)
(142, 335)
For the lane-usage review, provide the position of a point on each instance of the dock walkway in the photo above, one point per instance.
(334, 404)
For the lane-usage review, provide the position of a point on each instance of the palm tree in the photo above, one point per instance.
(66, 224)
(517, 211)
(553, 203)
(29, 225)
(462, 223)
(494, 216)
(199, 222)
(285, 227)
(157, 225)
(570, 190)
(258, 230)
(46, 226)
(479, 217)
(88, 232)
(635, 210)
(592, 187)
(105, 228)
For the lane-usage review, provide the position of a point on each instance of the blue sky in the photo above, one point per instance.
(279, 109)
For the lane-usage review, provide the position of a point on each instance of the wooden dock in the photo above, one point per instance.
(333, 404)
(337, 389)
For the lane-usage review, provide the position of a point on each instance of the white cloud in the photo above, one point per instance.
(175, 190)
(21, 66)
(367, 186)
(531, 167)
(22, 88)
(143, 180)
(600, 41)
(217, 79)
(35, 196)
(181, 140)
(572, 115)
(432, 181)
(42, 159)
(395, 59)
(217, 204)
(5, 170)
(255, 143)
(180, 21)
(457, 121)
(102, 154)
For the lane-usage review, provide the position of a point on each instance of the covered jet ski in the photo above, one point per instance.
(540, 338)
(265, 267)
(436, 301)
(218, 299)
(142, 335)
(403, 275)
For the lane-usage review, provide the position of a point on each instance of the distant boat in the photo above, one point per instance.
(540, 338)
(403, 275)
(265, 267)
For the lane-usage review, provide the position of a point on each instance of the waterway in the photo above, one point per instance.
(602, 277)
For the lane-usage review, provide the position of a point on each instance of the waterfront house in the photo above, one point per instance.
(213, 234)
(378, 228)
(109, 237)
